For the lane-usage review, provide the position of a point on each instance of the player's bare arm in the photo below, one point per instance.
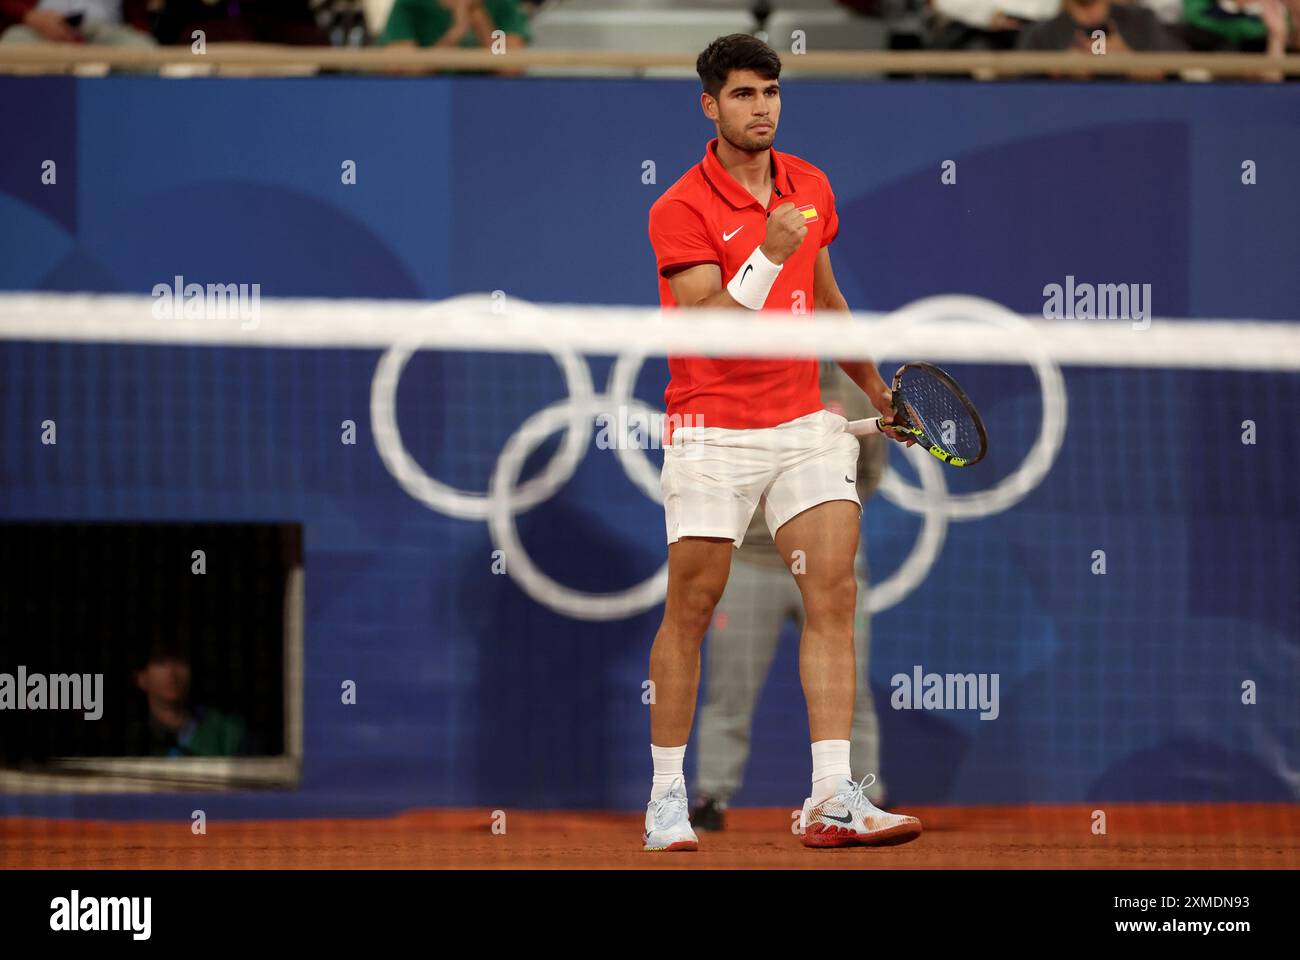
(700, 285)
(827, 296)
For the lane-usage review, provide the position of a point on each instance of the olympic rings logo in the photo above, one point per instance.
(506, 497)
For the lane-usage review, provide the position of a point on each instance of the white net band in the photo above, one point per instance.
(941, 329)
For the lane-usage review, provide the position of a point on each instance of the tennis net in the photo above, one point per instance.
(476, 483)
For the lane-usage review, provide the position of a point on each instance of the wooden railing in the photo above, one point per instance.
(272, 60)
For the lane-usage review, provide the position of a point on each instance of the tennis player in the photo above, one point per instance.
(748, 228)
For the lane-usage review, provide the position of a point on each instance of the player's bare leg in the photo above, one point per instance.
(838, 812)
(826, 537)
(697, 574)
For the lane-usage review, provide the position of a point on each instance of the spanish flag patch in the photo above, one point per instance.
(809, 212)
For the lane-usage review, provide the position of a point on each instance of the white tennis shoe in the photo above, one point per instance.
(850, 819)
(668, 822)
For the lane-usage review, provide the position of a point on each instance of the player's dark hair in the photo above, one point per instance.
(736, 51)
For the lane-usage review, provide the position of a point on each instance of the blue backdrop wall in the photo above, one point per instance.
(1124, 686)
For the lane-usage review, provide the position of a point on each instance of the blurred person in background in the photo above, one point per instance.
(1170, 15)
(759, 599)
(1252, 26)
(984, 24)
(240, 21)
(455, 23)
(1168, 12)
(1128, 28)
(113, 23)
(176, 727)
(343, 21)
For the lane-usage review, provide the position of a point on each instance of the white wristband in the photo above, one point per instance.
(753, 281)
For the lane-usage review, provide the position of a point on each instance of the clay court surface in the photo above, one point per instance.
(1043, 837)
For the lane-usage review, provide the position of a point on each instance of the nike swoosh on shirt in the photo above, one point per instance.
(727, 236)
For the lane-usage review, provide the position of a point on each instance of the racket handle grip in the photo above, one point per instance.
(863, 428)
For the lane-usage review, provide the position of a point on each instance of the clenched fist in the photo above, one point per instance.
(785, 232)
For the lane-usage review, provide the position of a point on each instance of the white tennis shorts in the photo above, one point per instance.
(713, 478)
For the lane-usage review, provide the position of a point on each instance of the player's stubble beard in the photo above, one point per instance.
(740, 137)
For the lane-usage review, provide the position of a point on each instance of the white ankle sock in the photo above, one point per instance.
(830, 768)
(668, 768)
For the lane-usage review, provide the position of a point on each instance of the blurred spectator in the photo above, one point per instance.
(343, 21)
(176, 728)
(1261, 26)
(455, 23)
(1168, 12)
(985, 24)
(1127, 28)
(114, 23)
(1170, 15)
(240, 21)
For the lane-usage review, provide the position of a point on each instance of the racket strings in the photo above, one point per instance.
(941, 415)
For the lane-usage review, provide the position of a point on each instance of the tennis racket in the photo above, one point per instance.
(929, 406)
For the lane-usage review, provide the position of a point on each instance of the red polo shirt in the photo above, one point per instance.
(708, 217)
